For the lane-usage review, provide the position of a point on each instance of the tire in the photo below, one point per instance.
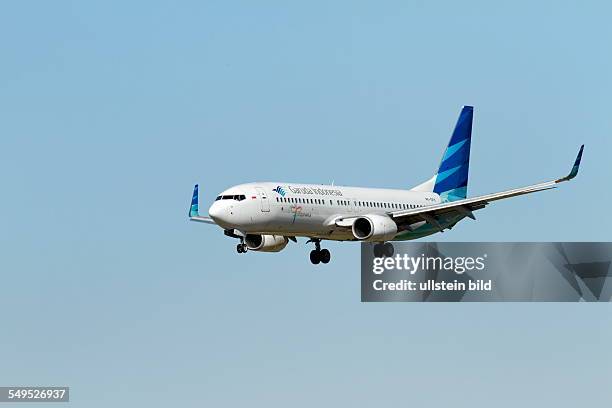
(388, 249)
(239, 248)
(325, 256)
(315, 257)
(378, 251)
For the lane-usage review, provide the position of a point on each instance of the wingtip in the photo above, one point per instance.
(577, 162)
(574, 172)
(193, 209)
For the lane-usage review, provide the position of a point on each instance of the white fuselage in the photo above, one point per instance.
(306, 209)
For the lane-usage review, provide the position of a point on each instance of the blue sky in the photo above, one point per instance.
(111, 111)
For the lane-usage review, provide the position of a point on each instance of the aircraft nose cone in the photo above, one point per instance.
(218, 213)
(214, 211)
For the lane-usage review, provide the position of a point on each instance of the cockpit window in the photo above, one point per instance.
(237, 197)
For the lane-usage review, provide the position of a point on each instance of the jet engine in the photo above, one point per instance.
(265, 243)
(374, 228)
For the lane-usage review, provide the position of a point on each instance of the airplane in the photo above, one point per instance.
(265, 216)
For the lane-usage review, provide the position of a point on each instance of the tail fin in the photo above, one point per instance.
(451, 180)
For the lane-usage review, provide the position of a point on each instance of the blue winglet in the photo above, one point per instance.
(575, 167)
(193, 210)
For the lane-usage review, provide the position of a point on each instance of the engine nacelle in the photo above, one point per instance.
(374, 228)
(265, 243)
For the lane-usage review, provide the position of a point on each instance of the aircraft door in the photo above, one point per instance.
(263, 199)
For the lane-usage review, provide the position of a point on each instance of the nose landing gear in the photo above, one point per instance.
(242, 248)
(319, 255)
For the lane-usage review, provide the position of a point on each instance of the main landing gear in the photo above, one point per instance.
(383, 249)
(319, 255)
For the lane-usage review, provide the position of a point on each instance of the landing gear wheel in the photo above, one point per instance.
(241, 248)
(388, 249)
(324, 256)
(383, 249)
(315, 256)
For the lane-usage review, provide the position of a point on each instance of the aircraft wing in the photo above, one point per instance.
(405, 218)
(206, 220)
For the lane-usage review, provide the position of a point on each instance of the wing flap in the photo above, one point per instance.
(466, 206)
